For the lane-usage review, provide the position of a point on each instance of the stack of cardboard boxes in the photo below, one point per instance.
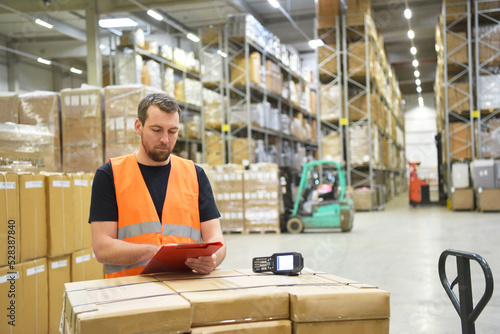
(45, 242)
(226, 301)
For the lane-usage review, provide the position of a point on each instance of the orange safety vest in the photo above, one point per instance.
(138, 220)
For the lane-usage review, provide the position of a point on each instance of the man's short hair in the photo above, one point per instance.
(161, 100)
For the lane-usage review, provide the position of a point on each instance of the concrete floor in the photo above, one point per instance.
(398, 250)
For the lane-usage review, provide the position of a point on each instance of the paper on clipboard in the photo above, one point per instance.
(172, 258)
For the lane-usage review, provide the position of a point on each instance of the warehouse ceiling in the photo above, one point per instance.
(66, 41)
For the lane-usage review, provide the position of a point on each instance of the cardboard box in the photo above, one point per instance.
(33, 218)
(59, 273)
(85, 267)
(9, 106)
(238, 68)
(60, 215)
(81, 185)
(33, 313)
(41, 108)
(462, 199)
(9, 218)
(487, 199)
(362, 199)
(9, 303)
(378, 326)
(141, 305)
(262, 327)
(82, 133)
(328, 11)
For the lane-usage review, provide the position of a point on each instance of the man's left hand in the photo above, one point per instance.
(202, 264)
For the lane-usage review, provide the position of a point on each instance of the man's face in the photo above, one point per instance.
(158, 134)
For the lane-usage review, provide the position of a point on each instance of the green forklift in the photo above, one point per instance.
(312, 210)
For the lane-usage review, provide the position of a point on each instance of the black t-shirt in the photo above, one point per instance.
(103, 206)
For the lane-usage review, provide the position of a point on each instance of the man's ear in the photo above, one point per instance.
(138, 127)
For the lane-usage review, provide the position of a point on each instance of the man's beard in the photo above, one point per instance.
(157, 156)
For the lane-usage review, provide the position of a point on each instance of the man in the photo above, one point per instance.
(130, 194)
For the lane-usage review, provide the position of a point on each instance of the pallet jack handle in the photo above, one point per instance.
(465, 306)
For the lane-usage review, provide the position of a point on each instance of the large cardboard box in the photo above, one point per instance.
(85, 267)
(41, 108)
(460, 141)
(9, 106)
(109, 306)
(9, 218)
(59, 273)
(81, 185)
(261, 327)
(462, 199)
(33, 218)
(33, 313)
(82, 134)
(488, 199)
(24, 298)
(60, 215)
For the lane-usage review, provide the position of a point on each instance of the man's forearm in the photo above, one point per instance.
(123, 253)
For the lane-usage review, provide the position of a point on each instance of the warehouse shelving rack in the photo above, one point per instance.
(457, 71)
(213, 78)
(487, 67)
(359, 83)
(242, 92)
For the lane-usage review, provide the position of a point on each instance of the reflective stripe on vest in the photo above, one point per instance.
(138, 220)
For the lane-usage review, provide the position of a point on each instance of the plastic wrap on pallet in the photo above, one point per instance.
(212, 67)
(330, 102)
(9, 107)
(129, 68)
(26, 148)
(488, 91)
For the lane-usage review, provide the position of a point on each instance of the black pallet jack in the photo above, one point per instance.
(465, 305)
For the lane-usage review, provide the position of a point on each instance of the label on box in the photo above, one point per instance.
(33, 184)
(9, 277)
(7, 185)
(83, 258)
(35, 270)
(61, 184)
(59, 264)
(83, 183)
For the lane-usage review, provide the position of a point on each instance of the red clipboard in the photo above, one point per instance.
(170, 258)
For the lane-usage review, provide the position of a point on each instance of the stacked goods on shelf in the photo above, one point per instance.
(361, 139)
(331, 147)
(226, 301)
(243, 150)
(47, 217)
(41, 108)
(82, 134)
(485, 179)
(214, 148)
(120, 114)
(330, 103)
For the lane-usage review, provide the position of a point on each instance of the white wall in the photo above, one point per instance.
(420, 130)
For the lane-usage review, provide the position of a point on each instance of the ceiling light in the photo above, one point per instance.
(314, 43)
(44, 24)
(407, 14)
(413, 50)
(418, 82)
(415, 63)
(155, 15)
(411, 34)
(222, 53)
(419, 89)
(421, 101)
(193, 37)
(274, 3)
(416, 74)
(44, 61)
(76, 70)
(117, 23)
